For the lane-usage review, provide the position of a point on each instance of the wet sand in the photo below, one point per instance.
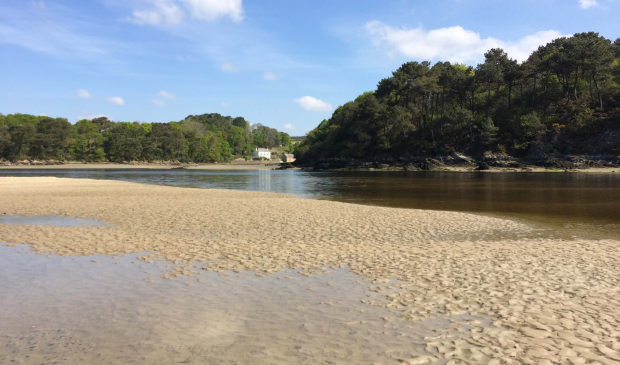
(550, 300)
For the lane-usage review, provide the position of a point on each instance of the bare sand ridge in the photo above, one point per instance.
(550, 300)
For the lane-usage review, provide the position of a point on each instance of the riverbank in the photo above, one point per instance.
(445, 168)
(547, 299)
(261, 165)
(457, 162)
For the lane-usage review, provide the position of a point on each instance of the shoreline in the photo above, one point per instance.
(249, 166)
(467, 169)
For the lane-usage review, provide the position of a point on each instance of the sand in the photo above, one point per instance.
(550, 300)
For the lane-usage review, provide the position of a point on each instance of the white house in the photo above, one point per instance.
(288, 158)
(260, 153)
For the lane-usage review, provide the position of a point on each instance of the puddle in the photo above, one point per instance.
(119, 310)
(48, 220)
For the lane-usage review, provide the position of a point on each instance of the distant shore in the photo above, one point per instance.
(268, 165)
(246, 165)
(598, 170)
(458, 162)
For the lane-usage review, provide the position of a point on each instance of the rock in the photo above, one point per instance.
(483, 166)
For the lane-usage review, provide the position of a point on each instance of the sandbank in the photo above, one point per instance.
(551, 300)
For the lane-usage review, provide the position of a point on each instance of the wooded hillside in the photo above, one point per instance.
(197, 138)
(565, 99)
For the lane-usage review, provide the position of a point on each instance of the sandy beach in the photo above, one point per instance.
(548, 299)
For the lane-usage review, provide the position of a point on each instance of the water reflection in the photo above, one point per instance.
(106, 310)
(263, 183)
(566, 197)
(48, 220)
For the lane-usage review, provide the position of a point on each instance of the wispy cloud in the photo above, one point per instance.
(313, 104)
(225, 104)
(252, 47)
(270, 76)
(454, 44)
(228, 67)
(83, 93)
(59, 31)
(214, 9)
(289, 127)
(158, 102)
(586, 4)
(115, 100)
(173, 12)
(160, 12)
(167, 95)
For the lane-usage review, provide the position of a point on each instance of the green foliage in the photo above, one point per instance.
(88, 142)
(566, 91)
(200, 138)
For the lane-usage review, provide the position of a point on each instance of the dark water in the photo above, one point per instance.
(554, 198)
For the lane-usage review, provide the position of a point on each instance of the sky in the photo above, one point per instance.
(282, 63)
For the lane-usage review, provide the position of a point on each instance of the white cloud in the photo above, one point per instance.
(289, 127)
(167, 95)
(270, 76)
(214, 9)
(163, 12)
(313, 104)
(586, 4)
(171, 12)
(454, 44)
(524, 47)
(227, 67)
(115, 100)
(158, 102)
(225, 104)
(83, 93)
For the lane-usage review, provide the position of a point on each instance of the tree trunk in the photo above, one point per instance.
(488, 98)
(600, 98)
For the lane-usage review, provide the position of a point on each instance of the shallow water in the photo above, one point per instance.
(108, 310)
(48, 220)
(584, 204)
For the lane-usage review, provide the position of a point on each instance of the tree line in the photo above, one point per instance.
(564, 99)
(197, 138)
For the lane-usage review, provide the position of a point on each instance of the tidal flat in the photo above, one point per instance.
(421, 286)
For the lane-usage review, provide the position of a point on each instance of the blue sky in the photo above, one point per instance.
(285, 64)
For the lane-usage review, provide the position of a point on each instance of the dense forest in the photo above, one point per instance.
(198, 138)
(563, 100)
